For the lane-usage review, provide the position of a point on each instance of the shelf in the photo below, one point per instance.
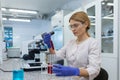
(92, 21)
(91, 16)
(107, 37)
(110, 16)
(93, 24)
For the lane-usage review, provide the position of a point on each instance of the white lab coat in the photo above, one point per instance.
(84, 55)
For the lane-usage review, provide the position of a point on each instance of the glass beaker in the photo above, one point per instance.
(18, 74)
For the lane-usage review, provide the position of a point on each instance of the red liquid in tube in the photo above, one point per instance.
(49, 69)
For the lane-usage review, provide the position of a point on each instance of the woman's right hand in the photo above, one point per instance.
(47, 39)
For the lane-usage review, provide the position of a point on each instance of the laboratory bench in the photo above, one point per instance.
(14, 64)
(35, 75)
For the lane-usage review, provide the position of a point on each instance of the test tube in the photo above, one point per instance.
(50, 64)
(49, 68)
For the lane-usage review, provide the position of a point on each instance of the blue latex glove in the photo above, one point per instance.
(47, 39)
(60, 70)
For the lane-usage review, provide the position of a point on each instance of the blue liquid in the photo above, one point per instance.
(18, 75)
(17, 79)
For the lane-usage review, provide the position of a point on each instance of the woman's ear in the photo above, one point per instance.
(86, 24)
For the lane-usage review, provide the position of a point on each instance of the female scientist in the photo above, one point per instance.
(82, 53)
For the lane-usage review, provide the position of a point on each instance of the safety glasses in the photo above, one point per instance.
(75, 26)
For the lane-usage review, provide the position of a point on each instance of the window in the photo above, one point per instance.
(8, 36)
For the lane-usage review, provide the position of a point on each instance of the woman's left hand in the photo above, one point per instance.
(60, 70)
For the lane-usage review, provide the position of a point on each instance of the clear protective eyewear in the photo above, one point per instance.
(75, 26)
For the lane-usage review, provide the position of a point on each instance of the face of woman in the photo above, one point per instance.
(78, 28)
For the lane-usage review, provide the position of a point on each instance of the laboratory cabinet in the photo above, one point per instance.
(90, 9)
(103, 15)
(109, 37)
(57, 20)
(107, 29)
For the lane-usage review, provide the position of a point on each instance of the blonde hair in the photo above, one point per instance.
(81, 17)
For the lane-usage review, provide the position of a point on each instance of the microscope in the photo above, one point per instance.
(32, 60)
(34, 55)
